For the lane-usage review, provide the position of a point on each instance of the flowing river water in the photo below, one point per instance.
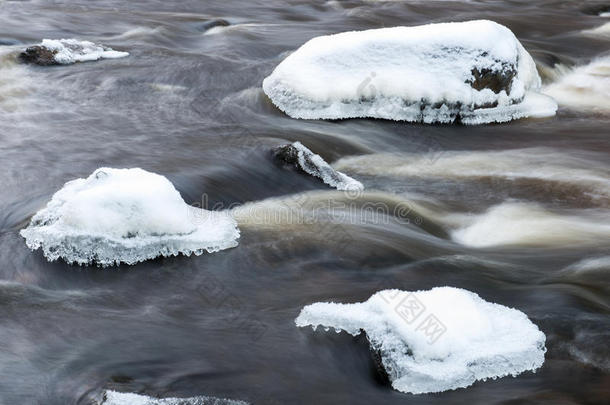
(517, 212)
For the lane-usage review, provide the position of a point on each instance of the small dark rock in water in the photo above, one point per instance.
(287, 154)
(38, 55)
(121, 379)
(304, 160)
(213, 23)
(9, 41)
(596, 9)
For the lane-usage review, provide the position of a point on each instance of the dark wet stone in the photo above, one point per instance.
(289, 155)
(38, 55)
(495, 80)
(121, 379)
(213, 23)
(596, 9)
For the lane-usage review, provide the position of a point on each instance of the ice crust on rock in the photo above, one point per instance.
(474, 71)
(68, 51)
(312, 164)
(128, 216)
(439, 339)
(126, 398)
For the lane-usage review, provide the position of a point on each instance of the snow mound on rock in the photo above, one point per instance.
(476, 72)
(125, 215)
(68, 51)
(437, 340)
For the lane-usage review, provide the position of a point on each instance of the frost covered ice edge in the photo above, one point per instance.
(476, 72)
(436, 340)
(125, 216)
(127, 398)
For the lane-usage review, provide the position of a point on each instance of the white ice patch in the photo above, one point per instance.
(437, 340)
(529, 224)
(410, 73)
(125, 215)
(72, 50)
(584, 87)
(316, 166)
(125, 398)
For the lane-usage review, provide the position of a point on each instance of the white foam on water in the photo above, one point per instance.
(314, 165)
(72, 50)
(585, 88)
(602, 31)
(140, 33)
(128, 216)
(529, 224)
(126, 398)
(437, 340)
(290, 212)
(409, 73)
(530, 163)
(15, 83)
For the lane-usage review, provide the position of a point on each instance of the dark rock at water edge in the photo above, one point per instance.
(38, 55)
(377, 368)
(287, 154)
(213, 23)
(596, 9)
(297, 156)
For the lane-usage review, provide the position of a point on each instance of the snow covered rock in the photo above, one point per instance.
(121, 398)
(437, 340)
(125, 215)
(475, 72)
(67, 51)
(304, 159)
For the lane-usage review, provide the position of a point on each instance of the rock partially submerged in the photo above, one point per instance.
(474, 72)
(125, 216)
(208, 25)
(67, 51)
(126, 398)
(305, 160)
(436, 340)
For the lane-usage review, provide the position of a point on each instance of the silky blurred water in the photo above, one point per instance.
(187, 103)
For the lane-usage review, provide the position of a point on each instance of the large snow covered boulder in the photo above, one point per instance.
(474, 72)
(303, 159)
(125, 215)
(437, 340)
(67, 51)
